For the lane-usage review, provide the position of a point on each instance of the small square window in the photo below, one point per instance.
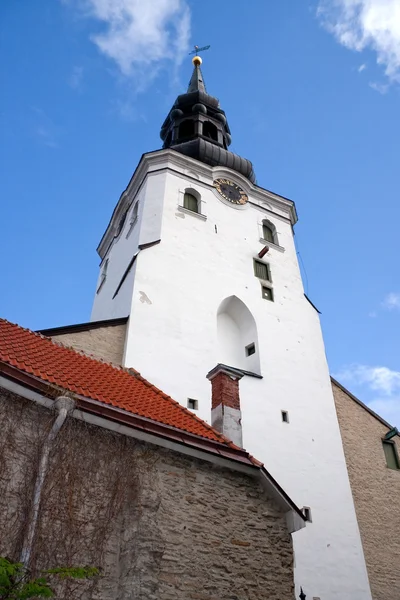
(250, 349)
(267, 293)
(192, 404)
(261, 270)
(307, 513)
(285, 416)
(392, 459)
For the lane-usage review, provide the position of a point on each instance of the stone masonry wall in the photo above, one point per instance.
(376, 493)
(105, 343)
(161, 526)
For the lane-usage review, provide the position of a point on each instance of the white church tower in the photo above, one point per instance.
(203, 262)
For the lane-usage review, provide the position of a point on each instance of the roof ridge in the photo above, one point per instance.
(64, 346)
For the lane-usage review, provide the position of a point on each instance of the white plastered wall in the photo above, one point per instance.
(172, 340)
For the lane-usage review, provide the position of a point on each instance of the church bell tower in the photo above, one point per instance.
(203, 262)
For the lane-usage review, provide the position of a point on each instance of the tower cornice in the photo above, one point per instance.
(204, 175)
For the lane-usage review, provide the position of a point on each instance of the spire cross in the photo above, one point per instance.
(197, 49)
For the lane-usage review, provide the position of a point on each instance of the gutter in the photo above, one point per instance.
(64, 406)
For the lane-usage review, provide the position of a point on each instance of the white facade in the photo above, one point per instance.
(194, 301)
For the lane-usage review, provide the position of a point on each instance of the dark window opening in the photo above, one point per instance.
(193, 404)
(268, 233)
(267, 293)
(285, 416)
(307, 513)
(210, 131)
(186, 129)
(250, 349)
(190, 202)
(392, 458)
(168, 140)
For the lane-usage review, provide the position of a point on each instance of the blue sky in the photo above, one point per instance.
(311, 90)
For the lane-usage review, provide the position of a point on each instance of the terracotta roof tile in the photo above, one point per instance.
(79, 373)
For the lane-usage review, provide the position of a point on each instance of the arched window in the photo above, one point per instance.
(186, 129)
(269, 232)
(191, 202)
(210, 131)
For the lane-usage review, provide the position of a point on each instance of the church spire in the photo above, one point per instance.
(196, 83)
(197, 126)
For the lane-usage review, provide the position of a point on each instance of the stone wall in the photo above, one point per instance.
(161, 525)
(376, 493)
(106, 343)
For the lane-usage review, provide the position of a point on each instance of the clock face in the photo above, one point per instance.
(230, 191)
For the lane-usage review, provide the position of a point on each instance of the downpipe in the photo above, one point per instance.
(64, 406)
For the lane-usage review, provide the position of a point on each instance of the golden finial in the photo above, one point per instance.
(196, 60)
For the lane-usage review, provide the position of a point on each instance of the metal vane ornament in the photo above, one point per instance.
(302, 595)
(197, 49)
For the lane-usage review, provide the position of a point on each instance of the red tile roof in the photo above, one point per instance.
(125, 389)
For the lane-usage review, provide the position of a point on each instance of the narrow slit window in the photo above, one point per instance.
(250, 349)
(267, 293)
(190, 202)
(392, 458)
(285, 416)
(133, 219)
(261, 270)
(192, 404)
(103, 276)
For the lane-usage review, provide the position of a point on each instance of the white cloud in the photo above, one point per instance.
(382, 88)
(366, 24)
(384, 381)
(381, 379)
(362, 68)
(392, 301)
(140, 34)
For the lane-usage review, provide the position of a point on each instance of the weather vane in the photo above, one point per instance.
(197, 49)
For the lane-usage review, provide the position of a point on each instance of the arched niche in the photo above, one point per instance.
(237, 333)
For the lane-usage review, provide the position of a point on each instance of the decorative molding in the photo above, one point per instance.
(170, 160)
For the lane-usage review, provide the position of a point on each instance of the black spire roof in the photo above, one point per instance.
(196, 83)
(197, 126)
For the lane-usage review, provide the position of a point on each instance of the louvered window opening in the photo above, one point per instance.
(261, 270)
(190, 202)
(392, 459)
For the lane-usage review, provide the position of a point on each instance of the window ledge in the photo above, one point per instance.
(192, 213)
(271, 245)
